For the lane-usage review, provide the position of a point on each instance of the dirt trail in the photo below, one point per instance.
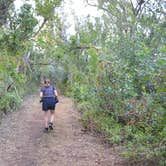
(23, 143)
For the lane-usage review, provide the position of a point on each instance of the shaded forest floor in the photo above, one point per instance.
(23, 143)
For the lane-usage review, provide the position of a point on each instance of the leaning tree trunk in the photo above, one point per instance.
(4, 8)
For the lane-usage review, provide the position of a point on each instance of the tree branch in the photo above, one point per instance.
(91, 4)
(42, 64)
(4, 8)
(104, 9)
(86, 47)
(42, 25)
(9, 86)
(94, 5)
(133, 9)
(145, 2)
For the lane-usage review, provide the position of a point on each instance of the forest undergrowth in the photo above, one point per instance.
(113, 67)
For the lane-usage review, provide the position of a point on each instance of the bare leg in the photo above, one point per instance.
(52, 116)
(46, 119)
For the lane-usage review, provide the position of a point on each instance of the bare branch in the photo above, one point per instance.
(42, 25)
(91, 4)
(133, 9)
(140, 12)
(9, 86)
(42, 64)
(102, 8)
(85, 47)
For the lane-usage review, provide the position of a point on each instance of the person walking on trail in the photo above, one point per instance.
(48, 95)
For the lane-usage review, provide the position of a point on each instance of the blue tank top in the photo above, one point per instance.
(48, 91)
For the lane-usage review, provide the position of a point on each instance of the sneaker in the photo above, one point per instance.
(45, 130)
(50, 125)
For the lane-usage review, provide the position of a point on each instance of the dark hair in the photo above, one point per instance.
(47, 81)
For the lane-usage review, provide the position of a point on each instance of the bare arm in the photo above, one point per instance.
(41, 94)
(55, 93)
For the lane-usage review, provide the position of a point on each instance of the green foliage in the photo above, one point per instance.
(80, 92)
(26, 21)
(20, 29)
(4, 9)
(15, 70)
(113, 67)
(121, 86)
(46, 8)
(10, 102)
(138, 146)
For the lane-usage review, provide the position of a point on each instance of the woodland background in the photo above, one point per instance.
(113, 67)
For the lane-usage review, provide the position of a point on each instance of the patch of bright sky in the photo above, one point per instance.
(70, 10)
(19, 3)
(76, 9)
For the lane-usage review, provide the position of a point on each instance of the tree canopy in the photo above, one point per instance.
(113, 67)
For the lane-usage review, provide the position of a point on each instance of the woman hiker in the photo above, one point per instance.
(48, 95)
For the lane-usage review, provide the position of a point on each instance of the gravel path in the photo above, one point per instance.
(23, 143)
